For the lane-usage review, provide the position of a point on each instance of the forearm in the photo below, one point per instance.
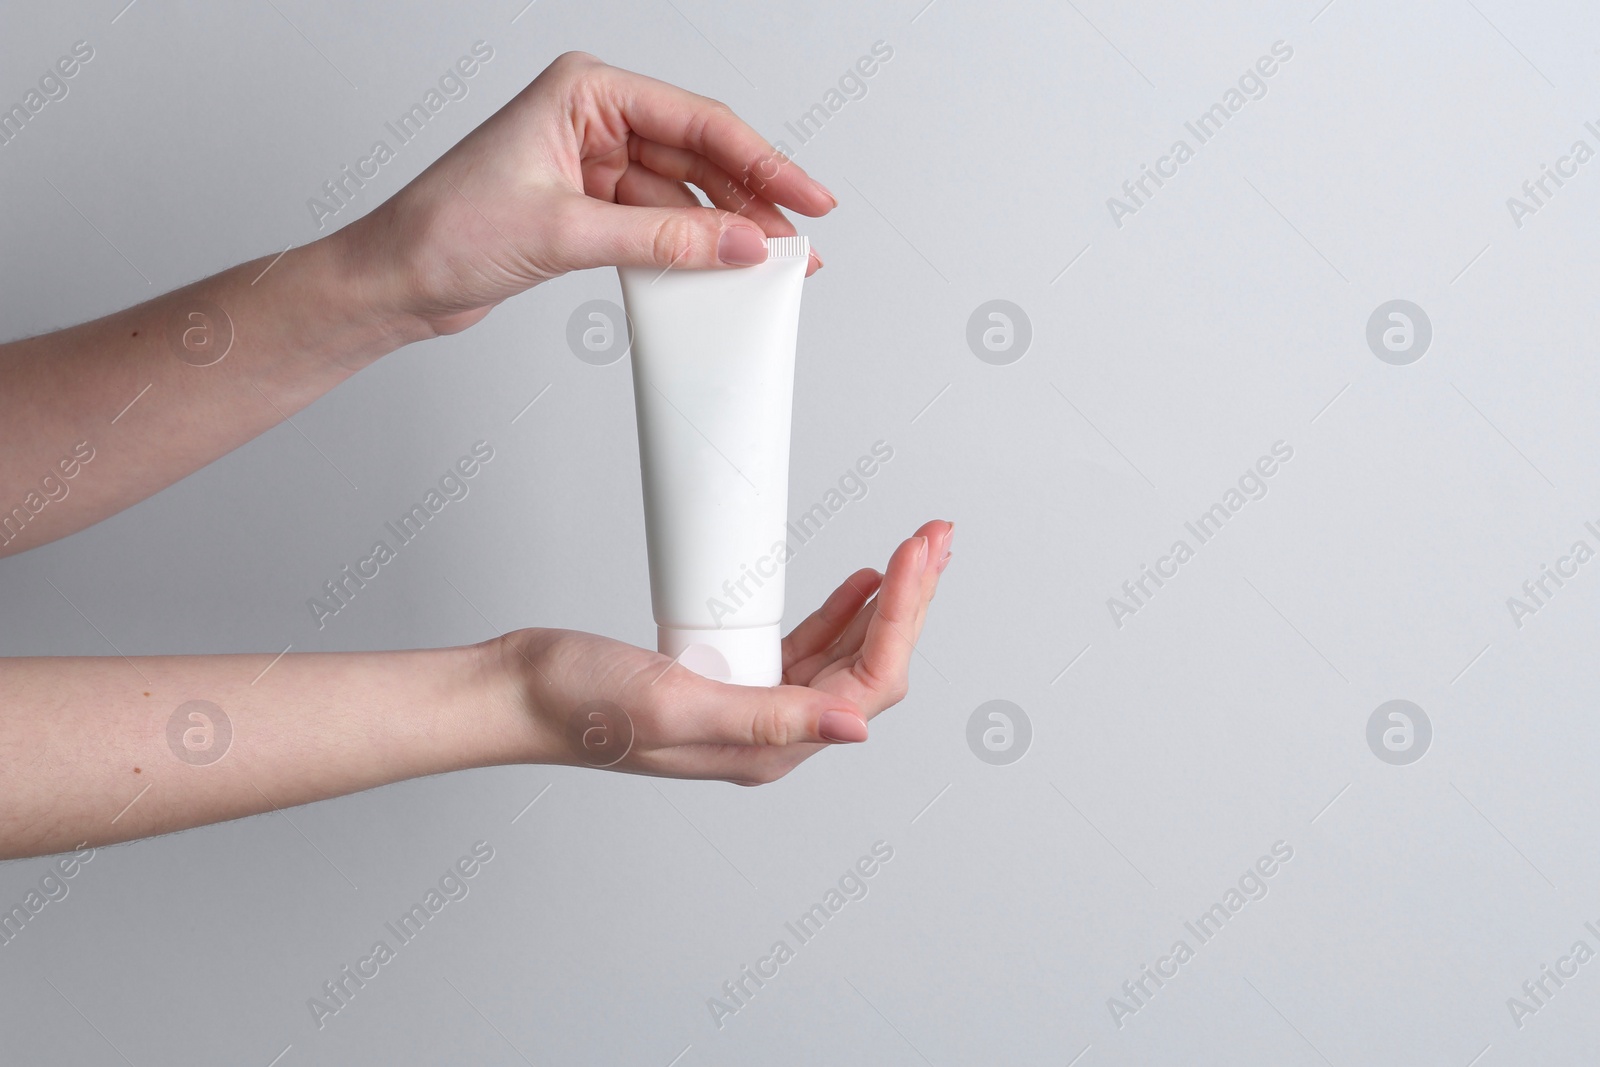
(99, 416)
(125, 390)
(99, 750)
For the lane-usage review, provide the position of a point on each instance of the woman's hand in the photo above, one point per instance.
(599, 702)
(586, 167)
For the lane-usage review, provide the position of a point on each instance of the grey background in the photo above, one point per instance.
(1230, 713)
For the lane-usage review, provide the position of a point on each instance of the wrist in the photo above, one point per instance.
(307, 318)
(508, 671)
(358, 262)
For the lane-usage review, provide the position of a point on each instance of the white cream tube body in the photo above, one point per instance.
(713, 382)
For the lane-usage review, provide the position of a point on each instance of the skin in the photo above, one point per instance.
(584, 168)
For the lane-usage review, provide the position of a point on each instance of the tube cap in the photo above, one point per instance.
(750, 655)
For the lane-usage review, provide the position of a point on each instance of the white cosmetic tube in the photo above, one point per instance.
(713, 384)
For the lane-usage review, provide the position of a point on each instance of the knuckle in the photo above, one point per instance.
(575, 62)
(672, 240)
(891, 686)
(770, 727)
(706, 176)
(712, 111)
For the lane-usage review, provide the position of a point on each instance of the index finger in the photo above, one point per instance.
(891, 637)
(669, 115)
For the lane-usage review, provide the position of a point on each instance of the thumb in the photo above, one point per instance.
(599, 234)
(708, 712)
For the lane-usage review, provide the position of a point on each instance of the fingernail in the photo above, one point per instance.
(825, 189)
(919, 558)
(740, 246)
(817, 258)
(842, 726)
(942, 564)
